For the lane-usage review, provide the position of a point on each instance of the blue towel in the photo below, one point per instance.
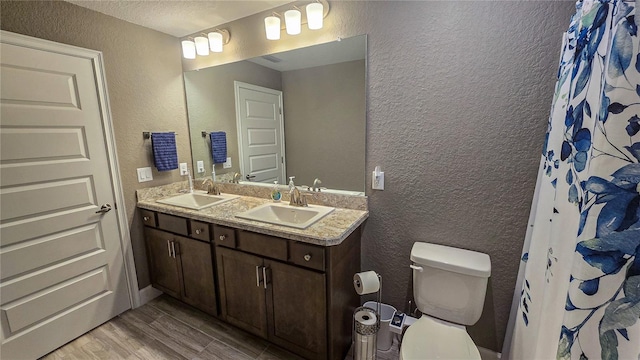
(218, 146)
(165, 154)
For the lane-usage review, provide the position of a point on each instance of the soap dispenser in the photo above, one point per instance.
(275, 193)
(291, 184)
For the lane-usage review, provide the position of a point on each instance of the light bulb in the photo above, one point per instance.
(188, 49)
(272, 27)
(202, 45)
(315, 14)
(215, 41)
(292, 20)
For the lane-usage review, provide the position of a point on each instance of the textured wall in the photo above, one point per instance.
(211, 105)
(458, 96)
(324, 123)
(144, 80)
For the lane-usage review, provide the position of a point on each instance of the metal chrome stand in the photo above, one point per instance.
(364, 343)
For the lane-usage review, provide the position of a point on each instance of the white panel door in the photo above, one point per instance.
(61, 262)
(260, 133)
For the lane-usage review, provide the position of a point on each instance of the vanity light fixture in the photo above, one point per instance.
(315, 15)
(188, 49)
(292, 21)
(272, 27)
(202, 45)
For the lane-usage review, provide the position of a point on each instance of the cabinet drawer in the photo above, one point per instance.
(148, 218)
(307, 255)
(172, 223)
(265, 245)
(224, 236)
(200, 230)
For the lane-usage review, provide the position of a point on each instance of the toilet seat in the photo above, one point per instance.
(430, 338)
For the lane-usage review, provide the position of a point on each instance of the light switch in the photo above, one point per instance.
(200, 166)
(227, 164)
(144, 174)
(183, 169)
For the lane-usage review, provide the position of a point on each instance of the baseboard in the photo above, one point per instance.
(147, 294)
(487, 354)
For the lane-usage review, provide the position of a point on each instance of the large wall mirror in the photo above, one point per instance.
(298, 113)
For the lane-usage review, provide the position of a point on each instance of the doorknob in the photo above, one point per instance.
(104, 209)
(249, 177)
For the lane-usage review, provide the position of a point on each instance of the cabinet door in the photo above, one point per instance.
(196, 265)
(242, 293)
(163, 267)
(296, 302)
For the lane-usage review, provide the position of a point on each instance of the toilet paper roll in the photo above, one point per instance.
(366, 318)
(366, 282)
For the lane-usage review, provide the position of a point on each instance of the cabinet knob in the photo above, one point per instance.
(222, 237)
(146, 218)
(307, 257)
(198, 231)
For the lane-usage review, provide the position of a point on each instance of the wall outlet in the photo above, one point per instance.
(377, 179)
(183, 169)
(200, 165)
(144, 174)
(227, 164)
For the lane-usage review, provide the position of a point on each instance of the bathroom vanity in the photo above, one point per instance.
(290, 286)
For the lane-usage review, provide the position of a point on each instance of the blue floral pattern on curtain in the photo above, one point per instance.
(581, 284)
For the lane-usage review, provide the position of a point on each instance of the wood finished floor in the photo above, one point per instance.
(165, 328)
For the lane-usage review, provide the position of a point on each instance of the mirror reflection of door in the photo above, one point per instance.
(260, 133)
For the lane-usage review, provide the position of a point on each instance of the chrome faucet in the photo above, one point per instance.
(236, 178)
(190, 181)
(211, 187)
(297, 198)
(316, 185)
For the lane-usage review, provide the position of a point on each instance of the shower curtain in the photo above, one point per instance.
(578, 293)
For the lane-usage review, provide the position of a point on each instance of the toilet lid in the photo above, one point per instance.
(430, 338)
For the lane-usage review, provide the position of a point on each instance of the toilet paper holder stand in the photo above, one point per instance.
(357, 284)
(365, 331)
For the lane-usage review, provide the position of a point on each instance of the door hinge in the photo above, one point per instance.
(280, 111)
(282, 159)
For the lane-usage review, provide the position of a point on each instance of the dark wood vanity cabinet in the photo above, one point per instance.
(297, 309)
(296, 295)
(181, 266)
(163, 267)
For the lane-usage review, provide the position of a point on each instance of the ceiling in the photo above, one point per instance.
(179, 18)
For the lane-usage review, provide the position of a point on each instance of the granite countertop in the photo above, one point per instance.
(328, 231)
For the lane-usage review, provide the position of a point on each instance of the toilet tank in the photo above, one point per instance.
(449, 283)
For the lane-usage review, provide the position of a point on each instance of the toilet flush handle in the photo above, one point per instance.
(417, 268)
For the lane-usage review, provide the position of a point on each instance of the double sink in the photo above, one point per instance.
(272, 213)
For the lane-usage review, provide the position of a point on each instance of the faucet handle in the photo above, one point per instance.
(304, 196)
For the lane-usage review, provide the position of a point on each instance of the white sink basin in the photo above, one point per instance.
(197, 200)
(287, 215)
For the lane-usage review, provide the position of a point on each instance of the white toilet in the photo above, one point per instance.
(449, 286)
